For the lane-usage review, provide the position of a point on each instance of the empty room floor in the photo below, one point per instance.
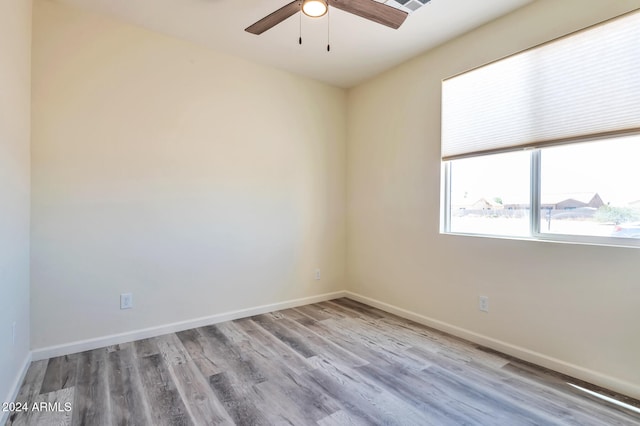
(331, 363)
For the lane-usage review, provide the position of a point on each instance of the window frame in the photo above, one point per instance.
(535, 234)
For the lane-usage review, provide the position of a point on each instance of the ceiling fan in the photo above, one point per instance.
(368, 9)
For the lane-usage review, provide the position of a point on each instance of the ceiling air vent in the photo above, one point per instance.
(406, 5)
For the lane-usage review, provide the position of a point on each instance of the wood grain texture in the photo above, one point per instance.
(128, 400)
(50, 409)
(165, 404)
(200, 401)
(61, 373)
(373, 11)
(91, 404)
(28, 392)
(274, 18)
(332, 363)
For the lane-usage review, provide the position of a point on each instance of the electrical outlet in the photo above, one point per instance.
(126, 301)
(317, 274)
(484, 304)
(13, 333)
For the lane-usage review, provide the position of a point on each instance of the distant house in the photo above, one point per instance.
(480, 204)
(562, 201)
(572, 201)
(484, 204)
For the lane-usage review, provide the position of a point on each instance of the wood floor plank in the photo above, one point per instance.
(318, 314)
(33, 380)
(91, 399)
(290, 401)
(28, 392)
(165, 404)
(172, 349)
(229, 357)
(439, 407)
(360, 308)
(355, 343)
(538, 381)
(49, 409)
(414, 334)
(270, 347)
(297, 316)
(239, 400)
(236, 387)
(362, 398)
(61, 373)
(146, 347)
(484, 402)
(512, 390)
(200, 352)
(288, 407)
(231, 332)
(284, 334)
(341, 418)
(297, 399)
(336, 312)
(306, 342)
(403, 335)
(128, 402)
(556, 379)
(201, 403)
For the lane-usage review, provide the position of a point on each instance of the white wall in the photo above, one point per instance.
(200, 182)
(15, 116)
(572, 307)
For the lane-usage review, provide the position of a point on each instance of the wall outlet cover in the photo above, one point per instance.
(126, 301)
(484, 304)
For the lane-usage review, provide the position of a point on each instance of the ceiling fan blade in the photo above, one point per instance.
(373, 11)
(274, 18)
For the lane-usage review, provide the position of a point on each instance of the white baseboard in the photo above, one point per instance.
(591, 376)
(15, 387)
(114, 339)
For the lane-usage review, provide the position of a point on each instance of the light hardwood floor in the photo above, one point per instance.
(331, 363)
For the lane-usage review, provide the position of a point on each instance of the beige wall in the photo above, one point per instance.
(199, 182)
(15, 78)
(573, 307)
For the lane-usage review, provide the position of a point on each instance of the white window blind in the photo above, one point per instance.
(583, 85)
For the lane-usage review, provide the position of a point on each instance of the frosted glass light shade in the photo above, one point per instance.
(314, 8)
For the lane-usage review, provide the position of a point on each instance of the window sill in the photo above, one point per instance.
(558, 239)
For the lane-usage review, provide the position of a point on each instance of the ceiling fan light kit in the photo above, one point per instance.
(314, 8)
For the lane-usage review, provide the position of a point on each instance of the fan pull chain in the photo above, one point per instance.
(300, 29)
(328, 28)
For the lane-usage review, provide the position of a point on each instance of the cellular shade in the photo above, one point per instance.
(583, 85)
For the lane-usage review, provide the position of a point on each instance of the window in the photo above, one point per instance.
(479, 188)
(587, 192)
(591, 189)
(546, 143)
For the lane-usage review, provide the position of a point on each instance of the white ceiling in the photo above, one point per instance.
(359, 48)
